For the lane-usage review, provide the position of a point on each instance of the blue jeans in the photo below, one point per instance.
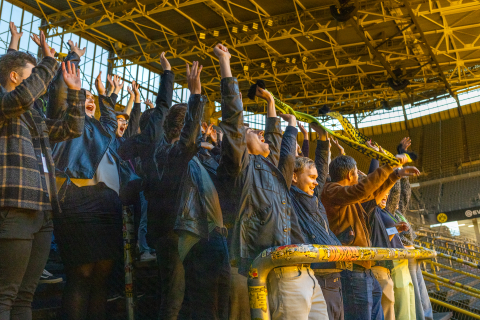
(362, 296)
(423, 307)
(142, 228)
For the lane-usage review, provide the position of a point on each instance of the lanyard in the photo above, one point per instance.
(396, 220)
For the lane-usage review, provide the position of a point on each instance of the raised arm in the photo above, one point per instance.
(364, 190)
(71, 125)
(190, 140)
(321, 156)
(15, 38)
(374, 184)
(57, 90)
(108, 118)
(153, 131)
(235, 156)
(134, 112)
(273, 131)
(273, 137)
(286, 162)
(305, 144)
(19, 100)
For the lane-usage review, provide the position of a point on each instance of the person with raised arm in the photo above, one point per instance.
(397, 206)
(88, 231)
(183, 141)
(258, 201)
(343, 197)
(28, 195)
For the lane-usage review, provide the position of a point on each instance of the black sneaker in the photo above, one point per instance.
(47, 277)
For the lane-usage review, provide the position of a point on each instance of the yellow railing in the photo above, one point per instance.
(308, 253)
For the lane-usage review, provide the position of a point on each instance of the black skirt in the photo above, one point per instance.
(89, 229)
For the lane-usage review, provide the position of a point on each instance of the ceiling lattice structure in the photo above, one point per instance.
(306, 57)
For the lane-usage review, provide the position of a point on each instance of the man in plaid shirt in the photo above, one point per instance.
(28, 194)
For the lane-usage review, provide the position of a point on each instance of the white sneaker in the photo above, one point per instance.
(147, 256)
(47, 277)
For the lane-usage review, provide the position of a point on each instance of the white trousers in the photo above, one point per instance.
(294, 294)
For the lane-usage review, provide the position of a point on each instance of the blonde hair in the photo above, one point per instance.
(301, 163)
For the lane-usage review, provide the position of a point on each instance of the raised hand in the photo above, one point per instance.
(290, 118)
(221, 52)
(206, 145)
(14, 32)
(71, 75)
(322, 134)
(339, 146)
(46, 50)
(111, 87)
(35, 39)
(402, 159)
(117, 81)
(214, 136)
(76, 49)
(164, 62)
(406, 142)
(408, 172)
(130, 92)
(371, 145)
(263, 94)
(220, 135)
(224, 59)
(135, 87)
(149, 103)
(304, 131)
(193, 78)
(209, 130)
(99, 85)
(15, 36)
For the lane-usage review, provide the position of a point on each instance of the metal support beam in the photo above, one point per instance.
(361, 33)
(430, 52)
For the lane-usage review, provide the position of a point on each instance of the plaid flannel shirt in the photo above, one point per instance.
(25, 136)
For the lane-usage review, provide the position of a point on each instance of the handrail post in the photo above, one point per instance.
(128, 243)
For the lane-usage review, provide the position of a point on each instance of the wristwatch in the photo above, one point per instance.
(397, 172)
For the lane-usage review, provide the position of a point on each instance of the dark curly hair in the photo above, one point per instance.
(14, 61)
(174, 121)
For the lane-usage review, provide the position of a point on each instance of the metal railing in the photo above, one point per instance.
(456, 282)
(308, 253)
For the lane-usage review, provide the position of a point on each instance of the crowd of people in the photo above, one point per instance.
(209, 201)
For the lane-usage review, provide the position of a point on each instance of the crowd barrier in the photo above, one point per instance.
(308, 253)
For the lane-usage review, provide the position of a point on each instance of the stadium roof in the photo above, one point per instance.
(304, 54)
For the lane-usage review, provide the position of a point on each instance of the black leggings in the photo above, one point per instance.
(85, 293)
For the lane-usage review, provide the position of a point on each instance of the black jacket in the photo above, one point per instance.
(145, 143)
(258, 191)
(191, 214)
(79, 158)
(172, 162)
